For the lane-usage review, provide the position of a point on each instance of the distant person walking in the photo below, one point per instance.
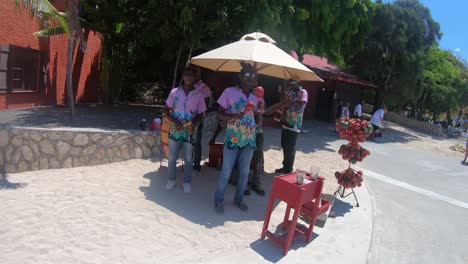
(358, 109)
(345, 110)
(377, 121)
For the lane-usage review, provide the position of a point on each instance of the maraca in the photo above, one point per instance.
(259, 91)
(249, 106)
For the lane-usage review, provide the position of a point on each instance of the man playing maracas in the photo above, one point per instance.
(238, 107)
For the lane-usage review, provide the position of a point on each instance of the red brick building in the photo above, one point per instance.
(33, 70)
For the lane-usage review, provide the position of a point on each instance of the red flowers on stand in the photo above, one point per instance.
(354, 130)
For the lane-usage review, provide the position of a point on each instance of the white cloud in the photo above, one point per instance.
(457, 50)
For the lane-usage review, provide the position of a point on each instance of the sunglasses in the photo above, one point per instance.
(249, 74)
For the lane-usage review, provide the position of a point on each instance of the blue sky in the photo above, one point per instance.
(452, 15)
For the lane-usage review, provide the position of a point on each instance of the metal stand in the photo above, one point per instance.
(341, 192)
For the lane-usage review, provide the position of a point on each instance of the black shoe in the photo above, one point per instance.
(219, 208)
(197, 168)
(247, 191)
(258, 189)
(241, 206)
(280, 170)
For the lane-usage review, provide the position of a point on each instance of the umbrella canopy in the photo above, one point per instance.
(258, 49)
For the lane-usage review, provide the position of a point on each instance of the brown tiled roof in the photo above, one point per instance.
(324, 69)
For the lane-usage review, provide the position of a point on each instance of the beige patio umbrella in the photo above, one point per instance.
(259, 49)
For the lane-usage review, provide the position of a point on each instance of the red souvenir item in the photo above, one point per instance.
(259, 91)
(249, 106)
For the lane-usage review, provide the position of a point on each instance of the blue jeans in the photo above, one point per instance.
(230, 156)
(174, 147)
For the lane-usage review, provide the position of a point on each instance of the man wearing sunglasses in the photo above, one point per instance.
(238, 107)
(291, 122)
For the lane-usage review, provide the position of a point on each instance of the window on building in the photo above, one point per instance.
(3, 68)
(18, 68)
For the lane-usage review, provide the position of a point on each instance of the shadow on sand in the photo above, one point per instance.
(197, 206)
(6, 184)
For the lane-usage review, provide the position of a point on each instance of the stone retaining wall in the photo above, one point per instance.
(26, 149)
(425, 127)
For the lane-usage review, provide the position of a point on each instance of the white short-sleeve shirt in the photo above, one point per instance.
(376, 117)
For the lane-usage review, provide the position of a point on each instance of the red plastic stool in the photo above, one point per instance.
(215, 156)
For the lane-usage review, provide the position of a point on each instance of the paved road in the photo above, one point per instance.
(420, 205)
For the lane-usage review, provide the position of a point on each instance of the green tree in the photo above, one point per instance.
(159, 36)
(441, 81)
(335, 29)
(394, 52)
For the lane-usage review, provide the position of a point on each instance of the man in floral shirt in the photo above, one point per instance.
(238, 107)
(291, 122)
(184, 107)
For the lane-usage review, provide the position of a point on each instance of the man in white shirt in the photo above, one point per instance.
(377, 121)
(358, 109)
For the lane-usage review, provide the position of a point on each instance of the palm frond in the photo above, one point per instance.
(46, 11)
(49, 32)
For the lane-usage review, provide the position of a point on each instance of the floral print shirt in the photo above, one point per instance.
(292, 117)
(240, 133)
(185, 108)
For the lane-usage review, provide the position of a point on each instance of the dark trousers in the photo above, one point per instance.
(288, 143)
(197, 144)
(258, 161)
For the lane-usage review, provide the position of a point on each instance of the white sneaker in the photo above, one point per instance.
(187, 188)
(170, 184)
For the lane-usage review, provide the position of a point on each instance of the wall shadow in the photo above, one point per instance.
(77, 66)
(51, 88)
(92, 89)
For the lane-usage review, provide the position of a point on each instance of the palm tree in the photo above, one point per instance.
(65, 23)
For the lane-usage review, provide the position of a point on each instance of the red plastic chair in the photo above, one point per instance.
(304, 199)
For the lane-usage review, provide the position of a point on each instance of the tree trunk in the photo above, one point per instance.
(115, 79)
(175, 68)
(71, 97)
(188, 59)
(189, 55)
(449, 118)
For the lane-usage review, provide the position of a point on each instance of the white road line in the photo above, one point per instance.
(413, 188)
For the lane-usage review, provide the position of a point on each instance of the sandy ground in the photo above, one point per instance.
(121, 213)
